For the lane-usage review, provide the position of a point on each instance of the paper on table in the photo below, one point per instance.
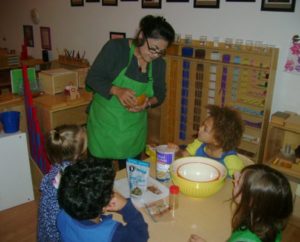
(155, 191)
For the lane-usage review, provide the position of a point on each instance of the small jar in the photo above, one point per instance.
(173, 197)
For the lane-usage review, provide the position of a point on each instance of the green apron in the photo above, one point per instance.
(113, 131)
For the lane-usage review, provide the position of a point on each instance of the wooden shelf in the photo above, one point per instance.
(55, 110)
(278, 138)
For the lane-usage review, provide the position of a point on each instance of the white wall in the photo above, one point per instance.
(87, 28)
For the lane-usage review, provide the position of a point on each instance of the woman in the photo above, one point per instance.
(124, 70)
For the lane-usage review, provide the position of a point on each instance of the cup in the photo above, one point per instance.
(10, 121)
(164, 158)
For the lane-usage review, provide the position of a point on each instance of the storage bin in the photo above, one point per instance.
(55, 80)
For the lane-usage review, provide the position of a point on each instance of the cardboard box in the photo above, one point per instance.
(82, 73)
(55, 80)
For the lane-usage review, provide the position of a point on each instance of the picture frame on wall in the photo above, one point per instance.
(45, 38)
(278, 5)
(28, 35)
(77, 3)
(151, 3)
(240, 0)
(92, 1)
(109, 2)
(206, 3)
(177, 1)
(117, 35)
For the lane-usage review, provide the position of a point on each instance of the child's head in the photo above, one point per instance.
(66, 143)
(86, 188)
(264, 201)
(223, 127)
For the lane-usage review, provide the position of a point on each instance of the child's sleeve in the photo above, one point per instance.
(135, 230)
(193, 147)
(233, 163)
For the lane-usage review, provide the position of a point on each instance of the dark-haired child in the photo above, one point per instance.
(84, 195)
(264, 202)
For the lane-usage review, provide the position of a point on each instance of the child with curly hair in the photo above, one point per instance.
(218, 137)
(85, 194)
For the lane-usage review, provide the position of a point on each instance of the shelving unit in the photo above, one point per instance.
(279, 137)
(200, 73)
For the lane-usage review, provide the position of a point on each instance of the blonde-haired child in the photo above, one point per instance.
(64, 146)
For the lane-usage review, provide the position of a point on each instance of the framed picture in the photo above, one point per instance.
(240, 0)
(206, 3)
(77, 3)
(278, 5)
(45, 38)
(117, 35)
(28, 35)
(129, 0)
(174, 1)
(110, 2)
(151, 3)
(92, 1)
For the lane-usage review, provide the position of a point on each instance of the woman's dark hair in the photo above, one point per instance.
(155, 27)
(266, 202)
(85, 188)
(66, 143)
(227, 125)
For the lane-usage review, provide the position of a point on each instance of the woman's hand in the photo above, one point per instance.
(196, 238)
(139, 108)
(126, 96)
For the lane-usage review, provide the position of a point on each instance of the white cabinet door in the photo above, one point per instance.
(15, 176)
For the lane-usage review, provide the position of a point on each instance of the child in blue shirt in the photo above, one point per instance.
(85, 194)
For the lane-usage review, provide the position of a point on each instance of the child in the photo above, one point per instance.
(263, 201)
(84, 195)
(64, 145)
(218, 137)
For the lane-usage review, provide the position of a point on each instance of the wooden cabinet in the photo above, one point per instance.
(55, 110)
(15, 176)
(280, 143)
(199, 74)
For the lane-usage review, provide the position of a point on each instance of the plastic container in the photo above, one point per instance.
(173, 197)
(164, 158)
(10, 121)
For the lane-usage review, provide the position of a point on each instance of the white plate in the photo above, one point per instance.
(198, 172)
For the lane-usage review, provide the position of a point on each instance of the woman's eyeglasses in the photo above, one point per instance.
(155, 51)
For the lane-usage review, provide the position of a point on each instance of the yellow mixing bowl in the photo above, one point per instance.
(198, 176)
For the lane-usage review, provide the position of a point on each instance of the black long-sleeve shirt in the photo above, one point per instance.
(112, 59)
